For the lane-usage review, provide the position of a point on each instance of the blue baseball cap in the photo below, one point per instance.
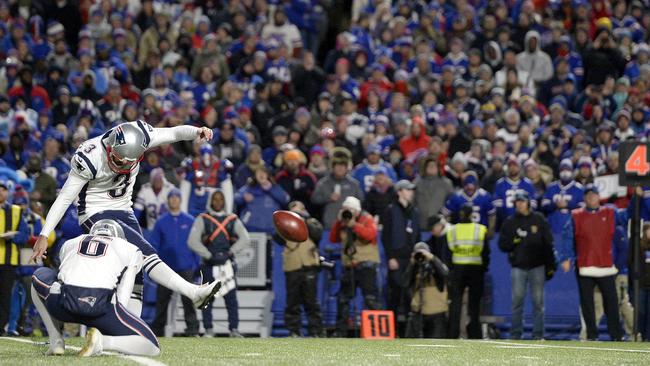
(174, 192)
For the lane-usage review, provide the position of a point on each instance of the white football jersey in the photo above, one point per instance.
(95, 185)
(96, 261)
(107, 190)
(150, 203)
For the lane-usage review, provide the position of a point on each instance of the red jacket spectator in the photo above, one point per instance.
(378, 83)
(35, 96)
(365, 229)
(417, 140)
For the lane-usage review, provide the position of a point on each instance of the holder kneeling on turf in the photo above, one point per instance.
(86, 291)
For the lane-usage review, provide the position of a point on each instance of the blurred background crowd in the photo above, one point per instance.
(318, 100)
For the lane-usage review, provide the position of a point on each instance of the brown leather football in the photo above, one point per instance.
(290, 226)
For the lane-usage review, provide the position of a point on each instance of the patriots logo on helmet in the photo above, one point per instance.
(119, 136)
(90, 300)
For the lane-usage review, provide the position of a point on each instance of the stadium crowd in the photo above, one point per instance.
(455, 101)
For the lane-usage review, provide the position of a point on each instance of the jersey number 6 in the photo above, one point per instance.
(122, 181)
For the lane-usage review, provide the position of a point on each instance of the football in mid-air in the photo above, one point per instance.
(290, 226)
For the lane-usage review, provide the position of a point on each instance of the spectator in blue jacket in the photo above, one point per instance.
(169, 237)
(258, 200)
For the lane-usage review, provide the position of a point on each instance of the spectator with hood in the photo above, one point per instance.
(431, 190)
(533, 60)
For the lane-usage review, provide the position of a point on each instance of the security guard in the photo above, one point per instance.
(216, 236)
(470, 256)
(301, 264)
(13, 232)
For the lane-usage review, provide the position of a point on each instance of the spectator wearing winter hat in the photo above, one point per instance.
(334, 187)
(318, 162)
(585, 174)
(302, 123)
(562, 196)
(279, 138)
(295, 178)
(456, 168)
(623, 131)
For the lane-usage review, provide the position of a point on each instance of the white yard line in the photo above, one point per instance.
(525, 345)
(137, 359)
(392, 355)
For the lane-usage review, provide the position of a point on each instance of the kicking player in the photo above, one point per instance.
(94, 281)
(103, 173)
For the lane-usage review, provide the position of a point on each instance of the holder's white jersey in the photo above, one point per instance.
(98, 187)
(97, 261)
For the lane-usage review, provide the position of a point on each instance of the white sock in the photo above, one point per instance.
(135, 301)
(161, 274)
(130, 345)
(51, 324)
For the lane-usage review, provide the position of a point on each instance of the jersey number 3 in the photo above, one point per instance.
(122, 181)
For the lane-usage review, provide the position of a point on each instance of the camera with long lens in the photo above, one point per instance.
(346, 215)
(419, 256)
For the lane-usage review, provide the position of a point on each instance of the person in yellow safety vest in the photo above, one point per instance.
(14, 232)
(470, 252)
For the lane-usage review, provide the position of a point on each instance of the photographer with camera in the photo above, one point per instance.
(470, 257)
(357, 232)
(426, 277)
(301, 264)
(603, 59)
(215, 236)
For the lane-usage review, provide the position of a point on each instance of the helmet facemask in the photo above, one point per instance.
(119, 164)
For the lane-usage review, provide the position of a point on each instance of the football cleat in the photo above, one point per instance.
(93, 344)
(205, 293)
(56, 349)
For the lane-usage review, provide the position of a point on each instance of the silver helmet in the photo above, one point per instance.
(107, 227)
(125, 146)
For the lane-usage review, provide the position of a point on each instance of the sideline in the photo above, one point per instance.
(529, 345)
(137, 359)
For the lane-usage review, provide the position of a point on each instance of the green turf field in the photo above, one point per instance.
(254, 351)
